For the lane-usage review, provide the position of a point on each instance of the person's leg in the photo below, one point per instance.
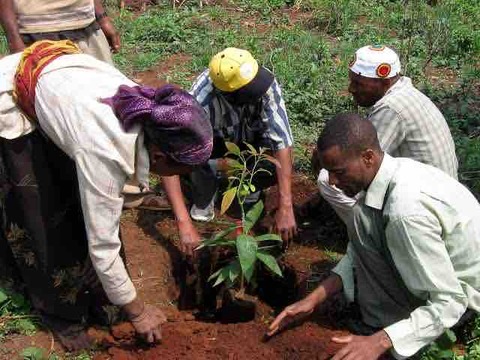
(204, 185)
(96, 44)
(46, 233)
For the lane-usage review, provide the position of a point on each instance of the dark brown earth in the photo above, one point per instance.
(153, 261)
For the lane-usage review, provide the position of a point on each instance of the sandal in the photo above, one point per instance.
(155, 202)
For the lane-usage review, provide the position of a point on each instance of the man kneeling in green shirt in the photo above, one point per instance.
(413, 251)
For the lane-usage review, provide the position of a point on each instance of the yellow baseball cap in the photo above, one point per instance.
(236, 72)
(232, 69)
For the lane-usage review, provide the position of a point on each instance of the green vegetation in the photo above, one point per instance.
(308, 44)
(248, 251)
(15, 316)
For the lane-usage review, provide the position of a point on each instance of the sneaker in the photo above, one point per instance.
(205, 215)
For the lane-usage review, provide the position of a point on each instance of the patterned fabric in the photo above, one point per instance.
(414, 253)
(32, 62)
(105, 155)
(44, 227)
(171, 117)
(265, 122)
(410, 125)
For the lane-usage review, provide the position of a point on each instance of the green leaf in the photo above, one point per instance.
(227, 200)
(234, 270)
(33, 353)
(253, 215)
(229, 272)
(253, 188)
(3, 296)
(251, 148)
(270, 262)
(234, 164)
(266, 237)
(233, 148)
(221, 277)
(247, 254)
(218, 239)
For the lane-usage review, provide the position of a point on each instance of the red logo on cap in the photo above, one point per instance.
(383, 70)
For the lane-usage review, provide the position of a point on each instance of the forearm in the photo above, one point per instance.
(284, 177)
(173, 189)
(8, 20)
(327, 288)
(99, 9)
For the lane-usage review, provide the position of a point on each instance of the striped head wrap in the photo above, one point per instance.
(33, 61)
(172, 119)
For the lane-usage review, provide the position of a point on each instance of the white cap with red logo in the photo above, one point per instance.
(377, 62)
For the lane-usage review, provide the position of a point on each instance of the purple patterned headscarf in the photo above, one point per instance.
(172, 119)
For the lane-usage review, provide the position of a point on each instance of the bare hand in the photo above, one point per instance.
(148, 323)
(295, 312)
(189, 237)
(362, 347)
(285, 224)
(111, 34)
(16, 45)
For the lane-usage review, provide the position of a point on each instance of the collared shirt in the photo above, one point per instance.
(266, 122)
(70, 113)
(414, 252)
(410, 125)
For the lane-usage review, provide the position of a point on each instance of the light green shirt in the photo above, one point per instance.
(415, 252)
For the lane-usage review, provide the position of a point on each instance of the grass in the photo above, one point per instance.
(308, 44)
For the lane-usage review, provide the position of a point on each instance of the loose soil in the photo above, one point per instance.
(154, 263)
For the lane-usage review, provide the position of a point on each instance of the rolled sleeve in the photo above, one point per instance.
(344, 269)
(420, 255)
(274, 114)
(100, 184)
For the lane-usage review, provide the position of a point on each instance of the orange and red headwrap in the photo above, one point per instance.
(33, 61)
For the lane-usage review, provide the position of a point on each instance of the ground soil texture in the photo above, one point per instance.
(153, 261)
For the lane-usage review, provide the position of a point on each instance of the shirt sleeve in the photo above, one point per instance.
(100, 184)
(344, 269)
(274, 114)
(390, 129)
(421, 257)
(202, 89)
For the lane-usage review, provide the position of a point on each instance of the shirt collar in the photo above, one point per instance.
(376, 192)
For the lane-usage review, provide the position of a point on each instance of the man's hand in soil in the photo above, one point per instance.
(362, 347)
(285, 224)
(146, 319)
(295, 312)
(189, 237)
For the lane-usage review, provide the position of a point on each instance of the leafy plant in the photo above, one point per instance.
(15, 314)
(248, 250)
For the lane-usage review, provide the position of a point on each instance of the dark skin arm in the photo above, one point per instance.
(146, 319)
(301, 309)
(285, 224)
(8, 20)
(107, 27)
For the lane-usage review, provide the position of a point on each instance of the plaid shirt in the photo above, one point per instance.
(410, 125)
(265, 123)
